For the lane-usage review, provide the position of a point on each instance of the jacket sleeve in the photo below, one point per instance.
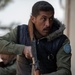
(8, 43)
(63, 62)
(10, 70)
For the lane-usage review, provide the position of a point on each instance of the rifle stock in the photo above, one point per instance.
(35, 63)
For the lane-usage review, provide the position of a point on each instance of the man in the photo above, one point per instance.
(53, 47)
(8, 64)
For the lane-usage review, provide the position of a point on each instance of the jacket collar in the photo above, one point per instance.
(56, 31)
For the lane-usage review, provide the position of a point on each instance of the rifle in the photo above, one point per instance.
(35, 63)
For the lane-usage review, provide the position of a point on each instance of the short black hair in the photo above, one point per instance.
(41, 6)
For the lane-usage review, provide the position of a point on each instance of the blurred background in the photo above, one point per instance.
(15, 12)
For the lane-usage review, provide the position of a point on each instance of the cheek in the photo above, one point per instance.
(5, 62)
(39, 26)
(50, 25)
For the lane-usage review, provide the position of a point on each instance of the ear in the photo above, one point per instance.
(33, 19)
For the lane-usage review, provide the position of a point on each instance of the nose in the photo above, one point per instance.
(47, 23)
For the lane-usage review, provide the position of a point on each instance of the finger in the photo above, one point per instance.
(28, 56)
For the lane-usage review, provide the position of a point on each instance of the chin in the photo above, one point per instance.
(5, 63)
(44, 34)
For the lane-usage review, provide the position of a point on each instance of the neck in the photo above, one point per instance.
(37, 35)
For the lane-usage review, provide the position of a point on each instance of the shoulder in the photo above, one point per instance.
(23, 25)
(66, 46)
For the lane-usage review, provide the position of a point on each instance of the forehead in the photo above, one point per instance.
(4, 55)
(46, 13)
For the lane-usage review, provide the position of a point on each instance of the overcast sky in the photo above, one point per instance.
(20, 10)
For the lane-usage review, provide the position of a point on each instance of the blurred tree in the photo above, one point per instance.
(3, 3)
(10, 26)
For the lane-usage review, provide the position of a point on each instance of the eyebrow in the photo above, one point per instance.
(52, 16)
(46, 16)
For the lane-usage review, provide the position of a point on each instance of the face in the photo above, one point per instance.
(43, 22)
(5, 58)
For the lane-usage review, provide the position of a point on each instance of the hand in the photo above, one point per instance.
(37, 72)
(27, 52)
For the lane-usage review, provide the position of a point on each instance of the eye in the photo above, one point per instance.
(44, 19)
(51, 19)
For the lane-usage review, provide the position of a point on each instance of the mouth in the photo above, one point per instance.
(46, 30)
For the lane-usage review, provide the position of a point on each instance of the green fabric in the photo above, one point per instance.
(8, 43)
(10, 70)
